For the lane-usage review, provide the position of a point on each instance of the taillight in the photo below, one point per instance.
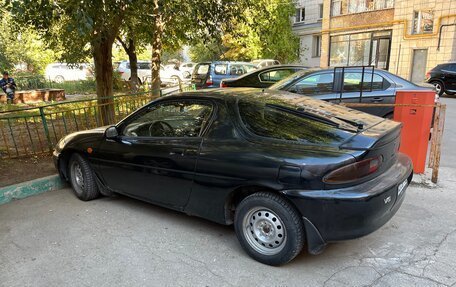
(223, 85)
(428, 75)
(209, 81)
(354, 171)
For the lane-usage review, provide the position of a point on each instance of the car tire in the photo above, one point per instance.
(439, 87)
(59, 79)
(269, 228)
(82, 178)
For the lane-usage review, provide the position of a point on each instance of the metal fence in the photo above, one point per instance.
(36, 130)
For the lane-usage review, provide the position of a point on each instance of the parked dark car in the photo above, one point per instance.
(209, 74)
(282, 168)
(379, 86)
(262, 78)
(443, 77)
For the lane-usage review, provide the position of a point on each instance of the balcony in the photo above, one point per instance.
(346, 7)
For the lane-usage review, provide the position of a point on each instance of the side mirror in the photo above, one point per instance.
(111, 132)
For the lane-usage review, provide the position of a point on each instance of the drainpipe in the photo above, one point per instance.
(440, 33)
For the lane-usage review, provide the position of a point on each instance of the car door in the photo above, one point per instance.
(376, 90)
(155, 154)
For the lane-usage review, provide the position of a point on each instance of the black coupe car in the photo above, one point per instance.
(283, 169)
(262, 78)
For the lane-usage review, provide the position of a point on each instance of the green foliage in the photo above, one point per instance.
(210, 50)
(264, 31)
(22, 47)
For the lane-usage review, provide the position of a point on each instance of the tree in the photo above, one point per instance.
(135, 34)
(177, 22)
(79, 28)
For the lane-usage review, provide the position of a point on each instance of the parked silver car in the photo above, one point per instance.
(344, 85)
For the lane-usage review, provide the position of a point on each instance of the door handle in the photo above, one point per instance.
(183, 151)
(377, 99)
(177, 151)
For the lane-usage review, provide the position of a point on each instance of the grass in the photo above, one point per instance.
(76, 87)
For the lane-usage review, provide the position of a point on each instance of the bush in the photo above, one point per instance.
(30, 81)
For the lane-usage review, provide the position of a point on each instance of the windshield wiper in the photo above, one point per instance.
(360, 126)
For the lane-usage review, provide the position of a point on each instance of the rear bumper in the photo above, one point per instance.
(347, 213)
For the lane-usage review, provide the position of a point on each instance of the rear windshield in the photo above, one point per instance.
(272, 122)
(202, 69)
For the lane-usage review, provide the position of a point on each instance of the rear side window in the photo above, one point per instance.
(202, 69)
(270, 122)
(275, 76)
(220, 69)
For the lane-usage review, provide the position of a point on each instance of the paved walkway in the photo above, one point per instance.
(54, 239)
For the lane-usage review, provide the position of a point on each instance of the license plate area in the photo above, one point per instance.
(401, 187)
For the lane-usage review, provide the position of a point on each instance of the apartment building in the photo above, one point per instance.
(307, 26)
(406, 37)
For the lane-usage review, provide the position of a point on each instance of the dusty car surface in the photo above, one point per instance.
(284, 169)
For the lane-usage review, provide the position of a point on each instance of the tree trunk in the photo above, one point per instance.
(157, 26)
(130, 49)
(102, 56)
(133, 58)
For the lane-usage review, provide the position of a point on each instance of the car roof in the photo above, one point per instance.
(225, 62)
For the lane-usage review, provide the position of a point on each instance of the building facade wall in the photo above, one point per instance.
(405, 42)
(308, 30)
(397, 17)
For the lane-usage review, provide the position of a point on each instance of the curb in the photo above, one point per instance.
(29, 188)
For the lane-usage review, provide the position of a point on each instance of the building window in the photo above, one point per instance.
(336, 7)
(423, 22)
(361, 49)
(300, 15)
(316, 46)
(320, 7)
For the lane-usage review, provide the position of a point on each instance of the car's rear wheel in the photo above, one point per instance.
(439, 87)
(59, 79)
(269, 228)
(82, 178)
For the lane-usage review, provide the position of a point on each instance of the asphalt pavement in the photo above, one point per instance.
(54, 239)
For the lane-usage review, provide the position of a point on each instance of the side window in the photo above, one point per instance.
(352, 82)
(144, 66)
(239, 69)
(220, 69)
(452, 68)
(314, 85)
(275, 76)
(202, 69)
(173, 119)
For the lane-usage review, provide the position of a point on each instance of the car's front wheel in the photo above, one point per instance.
(82, 178)
(269, 228)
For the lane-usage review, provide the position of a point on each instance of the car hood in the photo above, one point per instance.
(82, 139)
